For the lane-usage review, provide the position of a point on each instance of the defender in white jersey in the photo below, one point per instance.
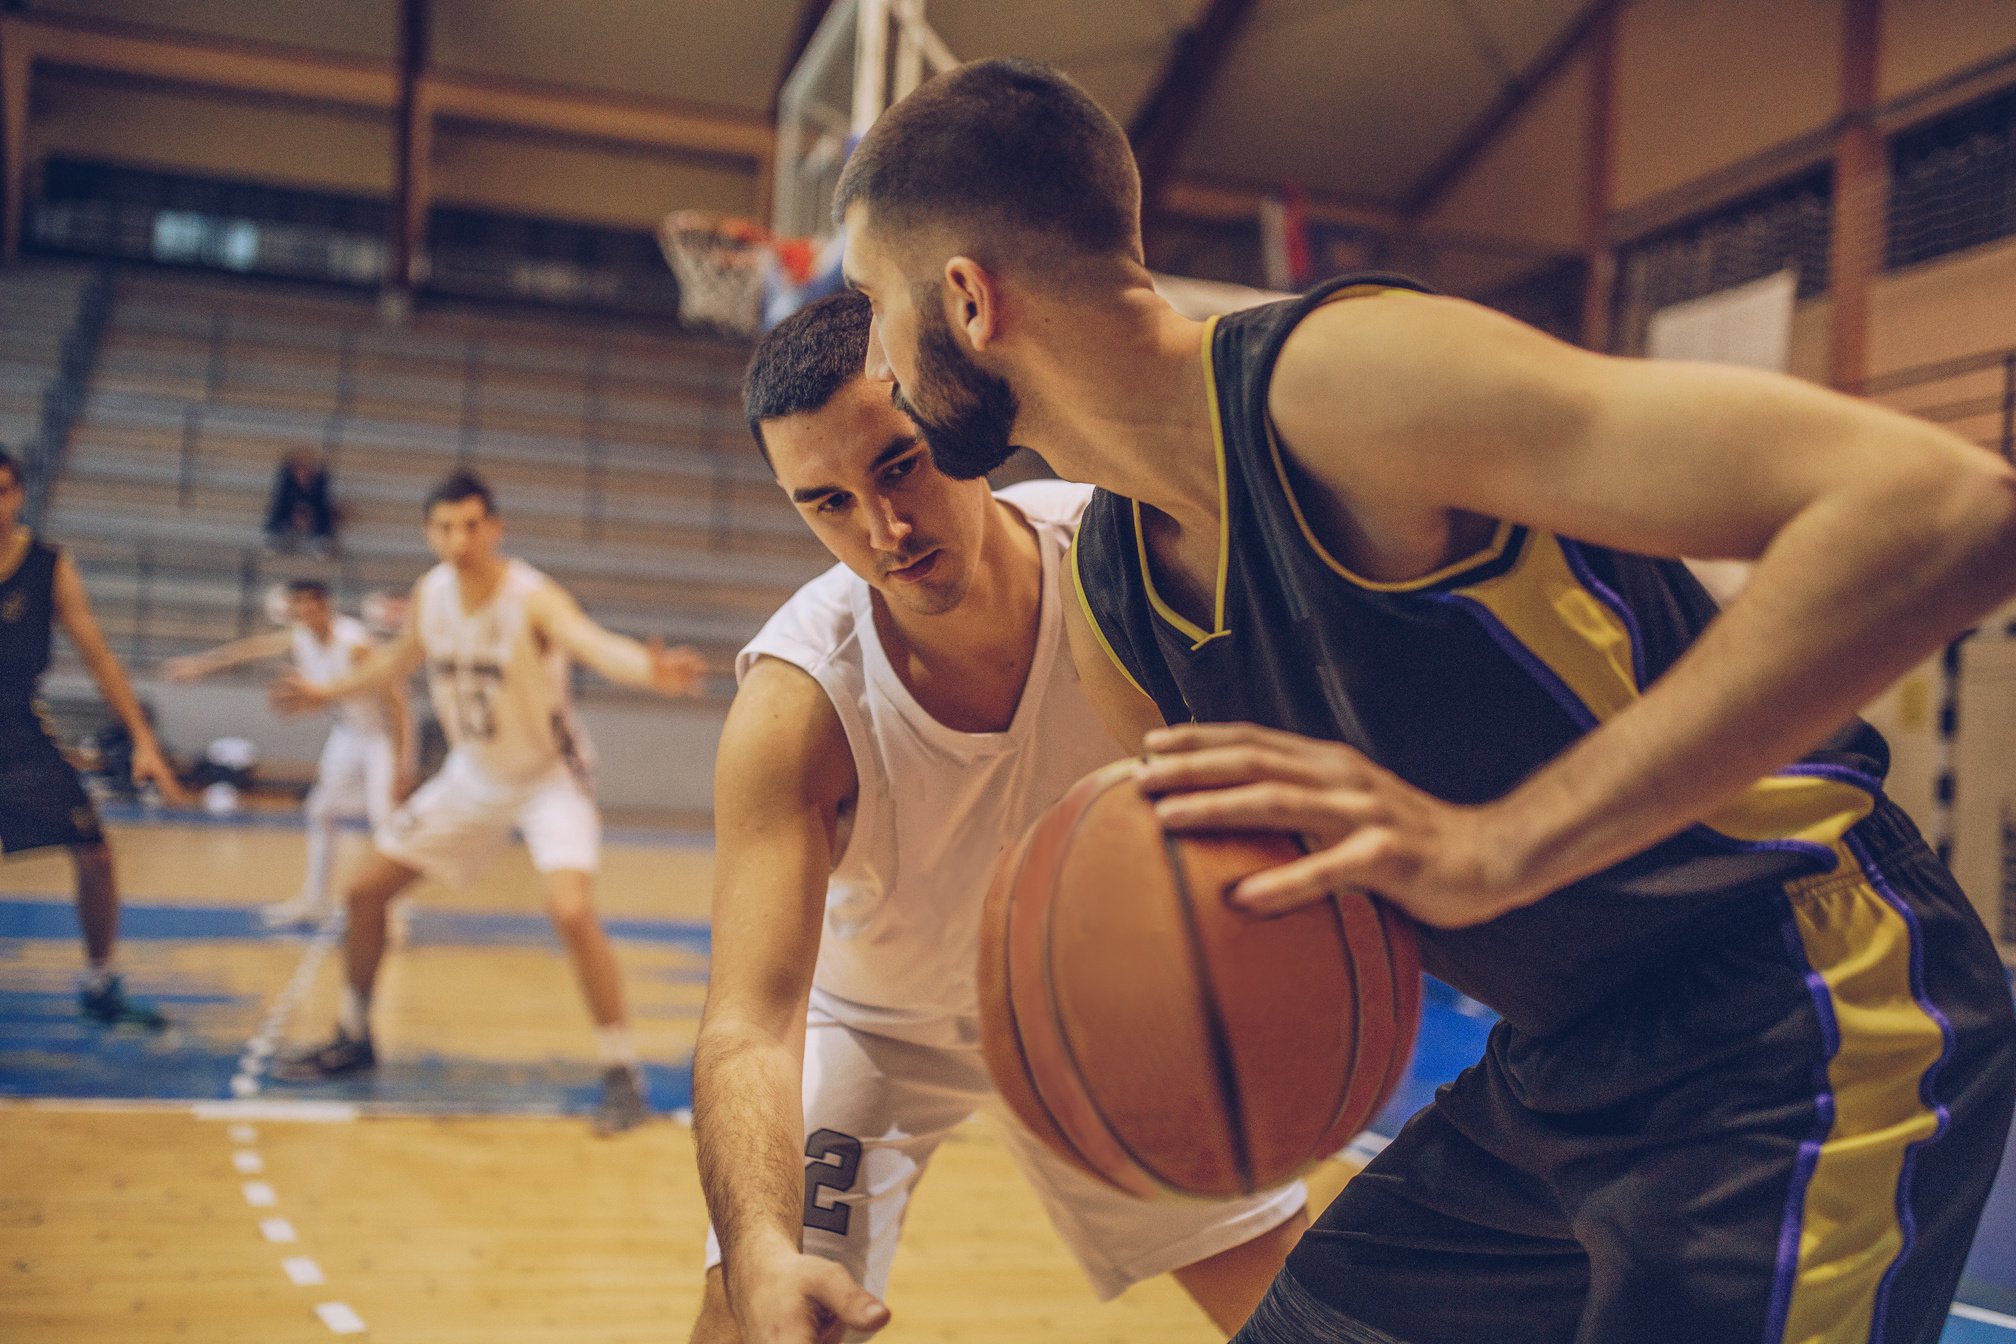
(899, 720)
(366, 766)
(496, 638)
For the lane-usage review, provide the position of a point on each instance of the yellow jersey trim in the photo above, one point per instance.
(1585, 644)
(1085, 605)
(1859, 946)
(1190, 630)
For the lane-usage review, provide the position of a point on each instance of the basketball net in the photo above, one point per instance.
(719, 263)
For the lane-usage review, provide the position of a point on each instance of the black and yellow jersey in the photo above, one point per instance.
(1462, 682)
(27, 616)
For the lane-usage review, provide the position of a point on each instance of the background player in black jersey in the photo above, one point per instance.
(41, 801)
(1757, 1057)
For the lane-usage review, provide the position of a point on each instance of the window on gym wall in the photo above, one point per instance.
(1785, 227)
(108, 210)
(1953, 183)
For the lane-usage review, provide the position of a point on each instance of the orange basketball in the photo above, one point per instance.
(1161, 1039)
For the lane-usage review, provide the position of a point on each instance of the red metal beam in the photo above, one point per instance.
(1855, 251)
(406, 229)
(1599, 279)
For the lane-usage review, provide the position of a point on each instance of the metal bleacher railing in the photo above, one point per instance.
(64, 395)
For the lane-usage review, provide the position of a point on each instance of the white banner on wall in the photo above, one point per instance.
(1749, 325)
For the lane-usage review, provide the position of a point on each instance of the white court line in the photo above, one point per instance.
(243, 1134)
(326, 1112)
(246, 1082)
(303, 1271)
(247, 1163)
(278, 1230)
(260, 1195)
(340, 1319)
(1983, 1315)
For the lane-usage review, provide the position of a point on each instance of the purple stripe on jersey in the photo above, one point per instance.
(1880, 884)
(1809, 849)
(1520, 654)
(1787, 1271)
(1861, 779)
(1578, 564)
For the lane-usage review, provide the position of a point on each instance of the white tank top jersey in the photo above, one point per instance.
(320, 664)
(500, 693)
(934, 806)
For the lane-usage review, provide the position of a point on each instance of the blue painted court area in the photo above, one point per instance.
(193, 963)
(214, 972)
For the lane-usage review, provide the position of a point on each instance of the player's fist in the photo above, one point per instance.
(675, 671)
(292, 693)
(802, 1299)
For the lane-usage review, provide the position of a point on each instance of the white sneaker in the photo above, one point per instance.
(293, 914)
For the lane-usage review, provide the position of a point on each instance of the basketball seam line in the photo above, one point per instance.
(1214, 1017)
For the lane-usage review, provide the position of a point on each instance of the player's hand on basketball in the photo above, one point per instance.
(150, 766)
(292, 693)
(1367, 829)
(802, 1299)
(676, 671)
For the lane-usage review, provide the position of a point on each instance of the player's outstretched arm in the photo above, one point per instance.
(782, 778)
(237, 653)
(389, 665)
(73, 610)
(648, 666)
(1877, 537)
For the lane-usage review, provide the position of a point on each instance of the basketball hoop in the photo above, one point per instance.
(721, 264)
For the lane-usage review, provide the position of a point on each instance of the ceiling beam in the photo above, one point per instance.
(1221, 201)
(1163, 121)
(314, 78)
(1515, 98)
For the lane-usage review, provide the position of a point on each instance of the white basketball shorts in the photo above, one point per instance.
(458, 821)
(876, 1108)
(355, 776)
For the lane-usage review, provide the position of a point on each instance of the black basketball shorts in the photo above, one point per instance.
(42, 802)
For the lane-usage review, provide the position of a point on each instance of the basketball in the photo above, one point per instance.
(1159, 1038)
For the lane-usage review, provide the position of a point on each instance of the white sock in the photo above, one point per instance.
(99, 975)
(321, 860)
(355, 1016)
(616, 1047)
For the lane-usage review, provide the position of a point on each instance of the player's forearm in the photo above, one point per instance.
(748, 1128)
(118, 693)
(621, 659)
(1851, 594)
(383, 669)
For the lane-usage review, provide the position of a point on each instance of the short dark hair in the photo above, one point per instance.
(804, 360)
(11, 465)
(457, 486)
(1005, 141)
(308, 588)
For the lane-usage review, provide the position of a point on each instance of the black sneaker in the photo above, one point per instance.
(621, 1105)
(336, 1057)
(108, 1006)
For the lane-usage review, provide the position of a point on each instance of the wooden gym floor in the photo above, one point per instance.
(162, 1188)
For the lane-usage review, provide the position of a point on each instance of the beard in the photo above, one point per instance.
(970, 436)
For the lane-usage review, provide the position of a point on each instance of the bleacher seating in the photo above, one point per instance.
(619, 456)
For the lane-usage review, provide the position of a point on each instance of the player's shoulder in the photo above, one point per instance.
(813, 625)
(1047, 501)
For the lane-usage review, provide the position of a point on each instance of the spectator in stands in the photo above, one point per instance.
(300, 508)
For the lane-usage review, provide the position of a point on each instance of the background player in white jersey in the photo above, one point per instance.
(366, 767)
(496, 637)
(898, 721)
